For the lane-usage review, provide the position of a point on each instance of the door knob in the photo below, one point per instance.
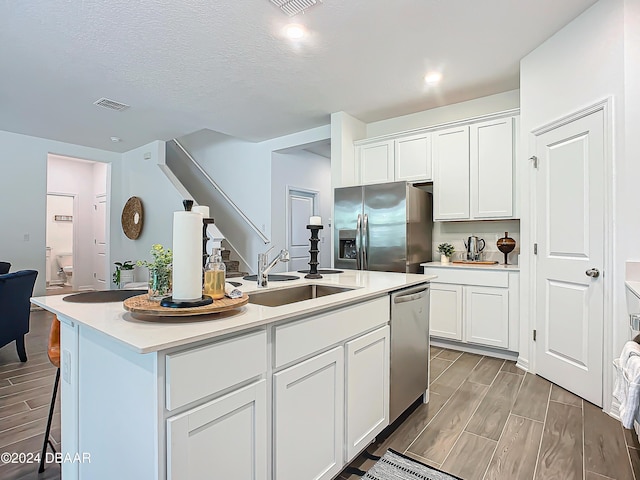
(593, 272)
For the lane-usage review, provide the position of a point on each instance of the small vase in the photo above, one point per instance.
(126, 276)
(159, 283)
(444, 258)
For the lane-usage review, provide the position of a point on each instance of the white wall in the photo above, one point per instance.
(580, 65)
(23, 196)
(144, 179)
(300, 169)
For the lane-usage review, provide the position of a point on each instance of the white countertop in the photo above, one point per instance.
(497, 266)
(146, 336)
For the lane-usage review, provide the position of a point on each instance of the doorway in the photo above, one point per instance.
(301, 204)
(570, 174)
(60, 242)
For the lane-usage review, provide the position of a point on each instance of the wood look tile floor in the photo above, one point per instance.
(488, 420)
(25, 393)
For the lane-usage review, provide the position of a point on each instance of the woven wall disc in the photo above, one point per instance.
(132, 218)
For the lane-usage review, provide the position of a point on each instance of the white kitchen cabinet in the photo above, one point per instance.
(486, 314)
(475, 306)
(451, 174)
(308, 423)
(367, 389)
(224, 438)
(376, 162)
(445, 314)
(492, 168)
(413, 158)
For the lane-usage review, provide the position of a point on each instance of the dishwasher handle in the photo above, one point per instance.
(411, 296)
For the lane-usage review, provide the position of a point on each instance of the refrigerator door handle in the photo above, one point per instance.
(358, 242)
(365, 241)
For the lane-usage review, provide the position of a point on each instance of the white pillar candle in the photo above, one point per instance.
(187, 256)
(315, 220)
(202, 209)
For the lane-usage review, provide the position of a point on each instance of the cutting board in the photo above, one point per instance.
(470, 262)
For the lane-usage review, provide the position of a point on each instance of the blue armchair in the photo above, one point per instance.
(15, 291)
(4, 267)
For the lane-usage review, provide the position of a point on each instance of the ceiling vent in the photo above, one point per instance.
(111, 104)
(294, 7)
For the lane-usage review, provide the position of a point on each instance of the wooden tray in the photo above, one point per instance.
(141, 304)
(470, 262)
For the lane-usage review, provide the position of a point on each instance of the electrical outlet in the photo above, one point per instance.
(26, 237)
(66, 366)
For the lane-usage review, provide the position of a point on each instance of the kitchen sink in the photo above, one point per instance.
(300, 293)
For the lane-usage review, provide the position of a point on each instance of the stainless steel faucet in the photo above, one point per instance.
(264, 267)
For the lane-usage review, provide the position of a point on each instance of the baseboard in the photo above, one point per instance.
(477, 349)
(615, 409)
(522, 364)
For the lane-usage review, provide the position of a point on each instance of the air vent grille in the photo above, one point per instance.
(111, 104)
(294, 7)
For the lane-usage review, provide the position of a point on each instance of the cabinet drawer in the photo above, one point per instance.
(301, 338)
(468, 276)
(247, 354)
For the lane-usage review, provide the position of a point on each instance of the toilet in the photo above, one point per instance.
(65, 261)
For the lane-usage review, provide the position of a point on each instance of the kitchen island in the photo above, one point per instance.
(288, 392)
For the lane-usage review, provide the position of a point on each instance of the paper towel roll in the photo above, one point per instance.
(187, 256)
(203, 209)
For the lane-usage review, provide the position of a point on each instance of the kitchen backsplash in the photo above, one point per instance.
(456, 233)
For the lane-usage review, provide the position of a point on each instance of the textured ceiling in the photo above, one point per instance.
(222, 65)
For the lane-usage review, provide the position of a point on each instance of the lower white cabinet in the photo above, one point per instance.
(486, 312)
(367, 389)
(445, 316)
(308, 423)
(475, 306)
(224, 438)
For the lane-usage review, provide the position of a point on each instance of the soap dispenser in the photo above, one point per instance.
(214, 276)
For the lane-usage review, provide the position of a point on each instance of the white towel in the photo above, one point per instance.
(627, 390)
(231, 291)
(630, 348)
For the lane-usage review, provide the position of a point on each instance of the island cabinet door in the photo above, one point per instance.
(309, 418)
(224, 438)
(367, 389)
(445, 311)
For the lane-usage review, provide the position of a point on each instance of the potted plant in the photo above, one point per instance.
(123, 273)
(159, 272)
(446, 250)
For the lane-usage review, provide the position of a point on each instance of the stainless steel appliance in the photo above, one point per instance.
(385, 227)
(472, 244)
(409, 348)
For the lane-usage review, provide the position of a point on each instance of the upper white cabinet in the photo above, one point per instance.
(474, 171)
(376, 161)
(491, 150)
(413, 158)
(405, 158)
(451, 174)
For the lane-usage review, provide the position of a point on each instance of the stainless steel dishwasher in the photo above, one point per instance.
(409, 348)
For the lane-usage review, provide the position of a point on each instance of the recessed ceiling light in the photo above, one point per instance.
(116, 139)
(432, 78)
(294, 31)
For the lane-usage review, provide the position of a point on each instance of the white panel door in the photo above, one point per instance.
(367, 389)
(224, 438)
(413, 158)
(301, 206)
(570, 219)
(451, 174)
(308, 427)
(445, 311)
(376, 162)
(100, 270)
(491, 153)
(486, 313)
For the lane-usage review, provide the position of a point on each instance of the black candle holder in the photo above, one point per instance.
(313, 264)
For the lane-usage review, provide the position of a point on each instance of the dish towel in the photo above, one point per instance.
(232, 292)
(630, 348)
(627, 389)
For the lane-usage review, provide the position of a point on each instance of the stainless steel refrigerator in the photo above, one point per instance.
(385, 227)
